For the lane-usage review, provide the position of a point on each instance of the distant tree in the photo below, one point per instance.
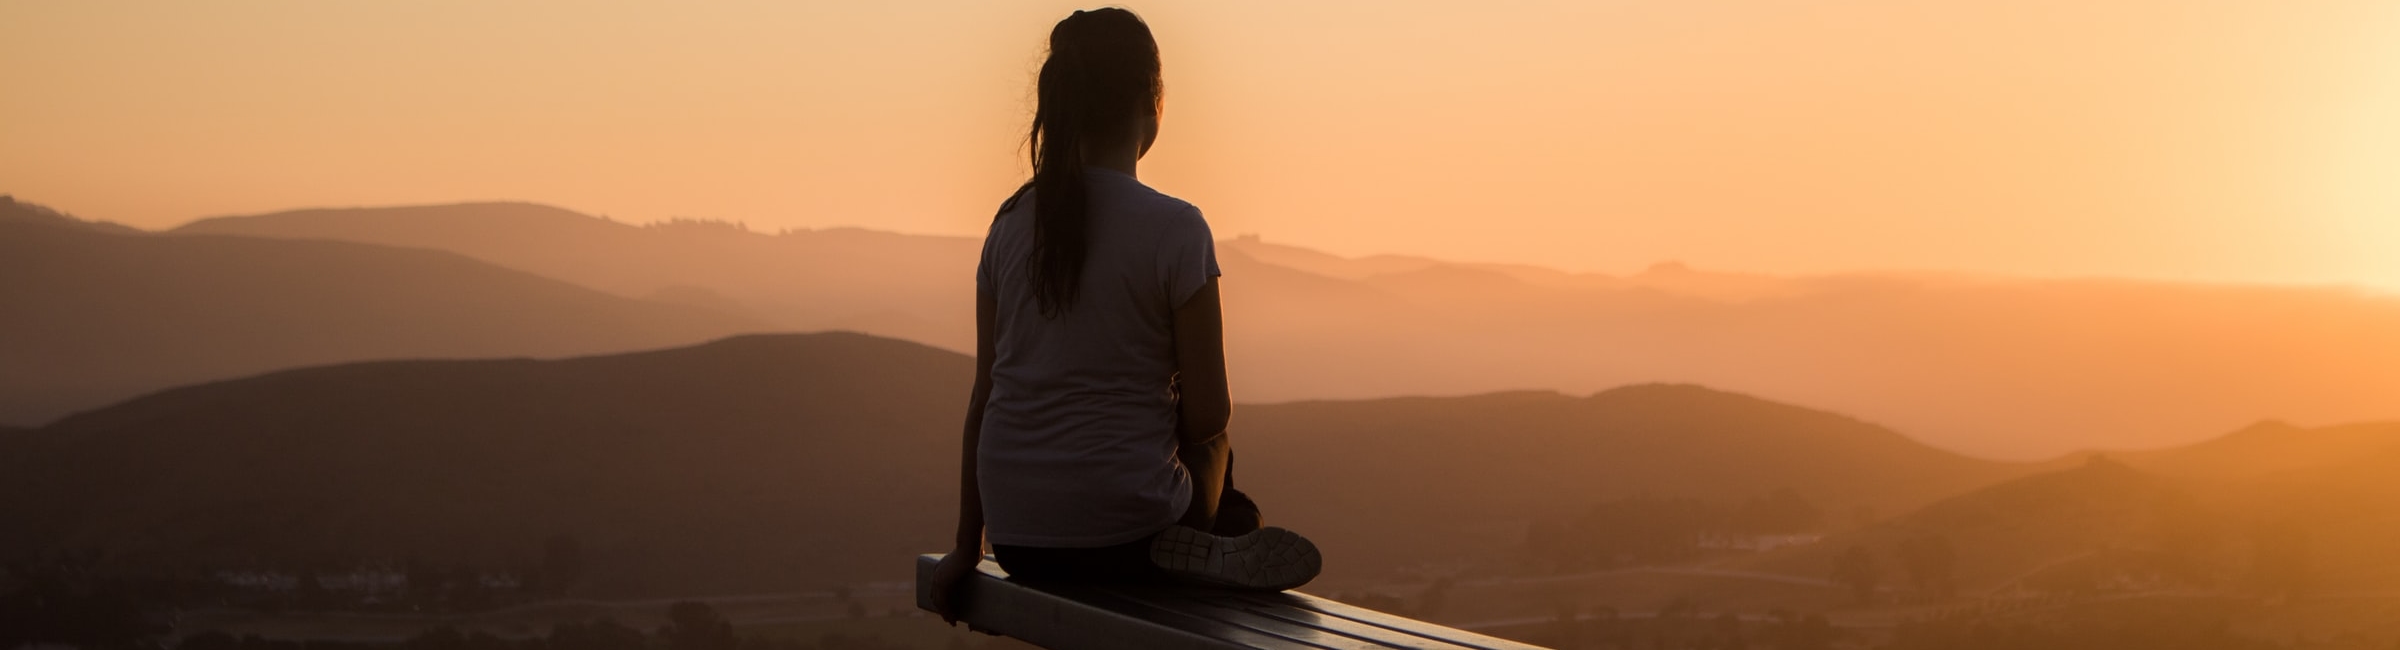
(308, 592)
(1640, 530)
(1794, 631)
(693, 625)
(1856, 569)
(466, 591)
(562, 565)
(1929, 561)
(603, 634)
(60, 603)
(440, 638)
(838, 641)
(426, 583)
(1728, 632)
(2187, 534)
(1862, 516)
(1546, 544)
(2279, 563)
(1437, 596)
(210, 640)
(1782, 511)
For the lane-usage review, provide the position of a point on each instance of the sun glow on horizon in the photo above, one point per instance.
(2204, 141)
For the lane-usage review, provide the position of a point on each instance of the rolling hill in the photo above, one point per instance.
(2200, 518)
(1456, 477)
(100, 313)
(751, 461)
(793, 461)
(2001, 367)
(2270, 448)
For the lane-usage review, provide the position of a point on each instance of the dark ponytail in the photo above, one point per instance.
(1102, 71)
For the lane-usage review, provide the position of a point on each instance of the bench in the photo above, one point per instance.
(1175, 617)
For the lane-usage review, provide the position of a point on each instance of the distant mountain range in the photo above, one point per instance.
(2002, 367)
(907, 286)
(789, 461)
(97, 313)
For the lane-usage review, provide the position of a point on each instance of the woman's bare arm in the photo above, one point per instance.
(967, 550)
(1205, 404)
(970, 497)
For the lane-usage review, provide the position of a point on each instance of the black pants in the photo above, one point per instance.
(1127, 562)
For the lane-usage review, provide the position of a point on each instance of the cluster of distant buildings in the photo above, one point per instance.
(1756, 543)
(364, 580)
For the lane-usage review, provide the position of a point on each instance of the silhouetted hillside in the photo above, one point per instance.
(13, 213)
(95, 316)
(2009, 367)
(1402, 476)
(793, 461)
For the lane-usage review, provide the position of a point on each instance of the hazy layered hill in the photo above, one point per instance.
(2011, 367)
(1430, 477)
(2271, 509)
(2015, 531)
(2270, 448)
(98, 313)
(915, 287)
(781, 461)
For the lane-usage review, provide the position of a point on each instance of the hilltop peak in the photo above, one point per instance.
(13, 211)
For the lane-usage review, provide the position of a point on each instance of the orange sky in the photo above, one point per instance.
(2198, 139)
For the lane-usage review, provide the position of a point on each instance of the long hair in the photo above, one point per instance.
(1102, 72)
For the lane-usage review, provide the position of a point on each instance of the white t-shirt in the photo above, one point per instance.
(1078, 442)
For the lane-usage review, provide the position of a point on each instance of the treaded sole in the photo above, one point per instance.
(1270, 558)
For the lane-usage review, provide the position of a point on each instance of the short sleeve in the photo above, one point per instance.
(983, 265)
(1187, 257)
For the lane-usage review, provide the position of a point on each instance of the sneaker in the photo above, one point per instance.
(1270, 558)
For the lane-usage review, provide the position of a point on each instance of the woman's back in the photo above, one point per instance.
(1095, 445)
(1078, 440)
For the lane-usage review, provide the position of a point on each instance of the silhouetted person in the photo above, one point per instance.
(1095, 444)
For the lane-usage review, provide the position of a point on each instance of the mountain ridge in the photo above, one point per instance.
(98, 314)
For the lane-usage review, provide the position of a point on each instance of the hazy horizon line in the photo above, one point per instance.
(2375, 288)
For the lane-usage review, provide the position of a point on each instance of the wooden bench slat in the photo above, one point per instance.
(1374, 618)
(1175, 617)
(1197, 609)
(1080, 617)
(1298, 623)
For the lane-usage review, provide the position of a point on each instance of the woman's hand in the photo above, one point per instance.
(950, 578)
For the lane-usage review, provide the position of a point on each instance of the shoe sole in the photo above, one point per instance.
(1269, 558)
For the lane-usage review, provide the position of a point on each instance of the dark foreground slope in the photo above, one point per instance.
(96, 314)
(788, 461)
(744, 463)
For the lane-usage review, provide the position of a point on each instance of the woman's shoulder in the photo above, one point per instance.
(1137, 197)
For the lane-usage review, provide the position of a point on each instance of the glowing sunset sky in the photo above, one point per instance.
(2183, 139)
